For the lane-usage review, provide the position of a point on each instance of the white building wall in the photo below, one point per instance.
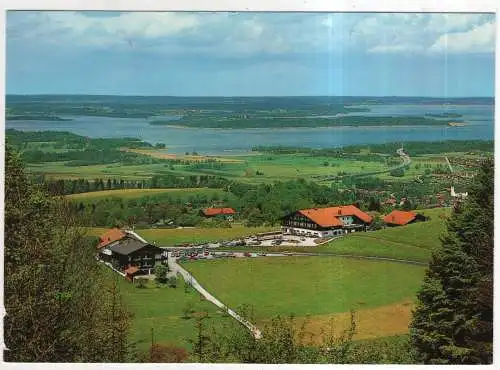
(306, 232)
(346, 220)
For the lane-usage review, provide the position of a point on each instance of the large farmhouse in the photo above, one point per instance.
(325, 222)
(128, 252)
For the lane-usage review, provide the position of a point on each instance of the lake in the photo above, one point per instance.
(479, 119)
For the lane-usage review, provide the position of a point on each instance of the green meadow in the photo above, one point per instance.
(158, 311)
(306, 285)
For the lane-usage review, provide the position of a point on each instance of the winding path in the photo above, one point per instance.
(175, 267)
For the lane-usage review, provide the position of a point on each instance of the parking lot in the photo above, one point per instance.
(208, 250)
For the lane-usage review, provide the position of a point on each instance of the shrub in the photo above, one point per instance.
(140, 283)
(167, 353)
(172, 282)
(161, 273)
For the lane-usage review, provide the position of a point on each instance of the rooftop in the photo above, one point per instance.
(328, 217)
(218, 211)
(400, 217)
(110, 236)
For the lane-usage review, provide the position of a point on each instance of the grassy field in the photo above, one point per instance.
(269, 166)
(58, 170)
(307, 285)
(164, 154)
(140, 193)
(161, 310)
(421, 234)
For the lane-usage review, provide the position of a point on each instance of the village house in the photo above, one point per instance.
(401, 218)
(226, 213)
(128, 252)
(325, 222)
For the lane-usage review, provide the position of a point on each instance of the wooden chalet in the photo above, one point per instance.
(325, 222)
(401, 218)
(130, 253)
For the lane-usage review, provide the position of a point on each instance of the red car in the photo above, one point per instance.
(246, 254)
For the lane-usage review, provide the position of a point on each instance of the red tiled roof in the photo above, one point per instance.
(110, 237)
(218, 211)
(328, 217)
(399, 217)
(131, 270)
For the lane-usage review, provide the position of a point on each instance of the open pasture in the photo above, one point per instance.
(140, 193)
(307, 285)
(58, 170)
(158, 311)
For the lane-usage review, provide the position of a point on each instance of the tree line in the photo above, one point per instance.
(411, 147)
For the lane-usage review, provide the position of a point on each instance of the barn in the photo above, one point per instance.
(226, 213)
(401, 218)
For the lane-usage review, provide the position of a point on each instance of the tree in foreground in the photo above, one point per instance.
(453, 320)
(59, 306)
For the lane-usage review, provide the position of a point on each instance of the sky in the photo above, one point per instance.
(250, 54)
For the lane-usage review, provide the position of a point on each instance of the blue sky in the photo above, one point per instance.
(246, 54)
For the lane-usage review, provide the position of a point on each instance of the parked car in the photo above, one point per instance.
(246, 254)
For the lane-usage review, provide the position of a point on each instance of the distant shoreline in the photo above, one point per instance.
(181, 127)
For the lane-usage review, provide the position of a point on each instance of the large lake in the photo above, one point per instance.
(479, 119)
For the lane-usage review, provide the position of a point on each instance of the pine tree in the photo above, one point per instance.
(55, 294)
(452, 323)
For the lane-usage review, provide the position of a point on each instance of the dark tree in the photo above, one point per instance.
(453, 321)
(60, 306)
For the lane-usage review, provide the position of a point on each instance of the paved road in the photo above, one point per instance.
(406, 161)
(175, 267)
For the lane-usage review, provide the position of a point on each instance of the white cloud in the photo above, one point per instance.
(399, 48)
(79, 28)
(478, 39)
(244, 34)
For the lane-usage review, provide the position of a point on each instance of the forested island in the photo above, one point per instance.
(443, 115)
(279, 122)
(35, 117)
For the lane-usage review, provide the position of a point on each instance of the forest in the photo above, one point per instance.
(247, 121)
(413, 147)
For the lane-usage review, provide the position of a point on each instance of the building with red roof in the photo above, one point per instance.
(401, 218)
(325, 222)
(227, 213)
(110, 236)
